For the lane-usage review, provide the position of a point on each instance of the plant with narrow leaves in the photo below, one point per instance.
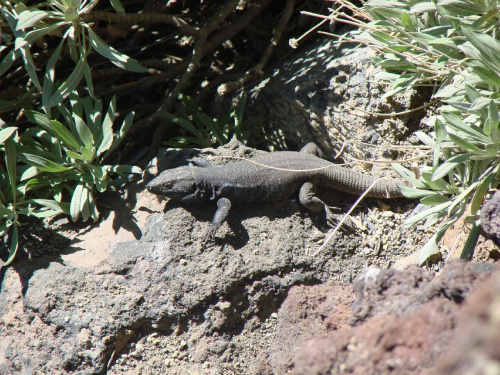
(206, 131)
(57, 18)
(71, 155)
(15, 195)
(59, 156)
(455, 46)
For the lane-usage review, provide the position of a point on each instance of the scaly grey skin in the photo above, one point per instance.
(267, 178)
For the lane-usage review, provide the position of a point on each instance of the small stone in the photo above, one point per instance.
(274, 315)
(106, 340)
(183, 262)
(387, 214)
(66, 319)
(183, 345)
(135, 354)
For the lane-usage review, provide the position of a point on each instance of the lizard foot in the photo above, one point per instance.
(209, 236)
(333, 219)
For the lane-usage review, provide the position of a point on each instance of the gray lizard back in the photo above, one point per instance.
(278, 175)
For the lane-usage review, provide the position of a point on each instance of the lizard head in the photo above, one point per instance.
(177, 183)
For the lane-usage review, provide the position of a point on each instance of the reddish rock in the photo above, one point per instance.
(309, 311)
(475, 348)
(402, 322)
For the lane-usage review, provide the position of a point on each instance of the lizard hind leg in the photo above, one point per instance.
(308, 198)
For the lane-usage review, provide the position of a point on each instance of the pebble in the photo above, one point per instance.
(387, 214)
(183, 262)
(168, 362)
(135, 354)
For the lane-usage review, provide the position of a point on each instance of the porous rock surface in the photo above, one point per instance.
(402, 322)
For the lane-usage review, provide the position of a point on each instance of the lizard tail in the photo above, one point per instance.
(354, 182)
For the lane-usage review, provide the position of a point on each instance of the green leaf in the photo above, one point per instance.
(488, 47)
(29, 64)
(455, 122)
(8, 60)
(42, 163)
(14, 245)
(127, 123)
(471, 242)
(425, 138)
(439, 209)
(38, 118)
(491, 126)
(413, 193)
(85, 208)
(408, 175)
(213, 127)
(123, 169)
(29, 173)
(118, 7)
(88, 80)
(36, 34)
(423, 6)
(48, 82)
(440, 130)
(492, 149)
(461, 200)
(487, 75)
(6, 212)
(456, 8)
(63, 134)
(481, 190)
(53, 205)
(74, 155)
(119, 59)
(449, 165)
(77, 201)
(435, 199)
(479, 103)
(50, 100)
(6, 133)
(185, 124)
(105, 138)
(465, 144)
(88, 154)
(84, 132)
(430, 247)
(29, 18)
(11, 163)
(447, 91)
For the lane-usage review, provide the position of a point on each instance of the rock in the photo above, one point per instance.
(323, 97)
(490, 218)
(401, 322)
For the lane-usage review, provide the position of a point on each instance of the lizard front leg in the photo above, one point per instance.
(223, 208)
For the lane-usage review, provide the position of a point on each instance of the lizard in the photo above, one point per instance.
(269, 177)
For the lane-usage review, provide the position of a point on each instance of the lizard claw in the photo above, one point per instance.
(210, 234)
(334, 219)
